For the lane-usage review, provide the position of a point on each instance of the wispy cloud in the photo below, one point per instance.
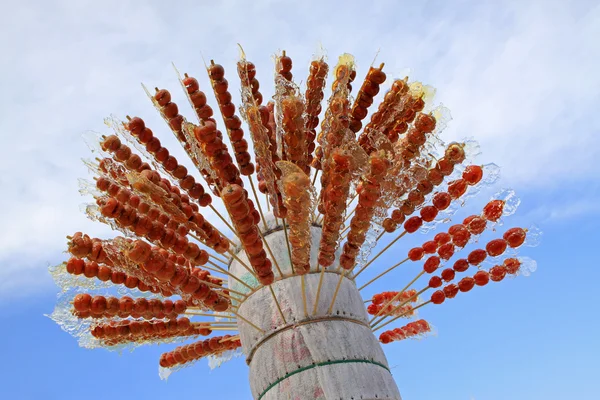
(522, 78)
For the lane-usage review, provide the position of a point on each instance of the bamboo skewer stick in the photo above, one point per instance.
(242, 263)
(396, 298)
(304, 295)
(380, 236)
(219, 259)
(223, 219)
(200, 314)
(277, 304)
(315, 177)
(262, 216)
(287, 242)
(382, 274)
(401, 315)
(337, 288)
(236, 337)
(248, 322)
(319, 290)
(223, 288)
(219, 269)
(228, 323)
(270, 253)
(380, 253)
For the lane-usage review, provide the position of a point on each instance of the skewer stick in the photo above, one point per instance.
(214, 328)
(380, 235)
(224, 220)
(401, 315)
(396, 297)
(304, 295)
(262, 216)
(248, 322)
(277, 304)
(200, 314)
(228, 323)
(382, 274)
(223, 288)
(337, 288)
(380, 253)
(236, 337)
(242, 263)
(315, 177)
(318, 290)
(219, 269)
(219, 259)
(270, 252)
(287, 242)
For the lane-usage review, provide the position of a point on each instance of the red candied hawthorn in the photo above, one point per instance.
(441, 200)
(461, 265)
(415, 253)
(442, 238)
(512, 265)
(389, 225)
(457, 188)
(493, 210)
(497, 273)
(466, 284)
(476, 257)
(412, 224)
(428, 213)
(460, 235)
(385, 338)
(82, 302)
(475, 224)
(448, 274)
(515, 237)
(438, 297)
(473, 174)
(446, 251)
(430, 247)
(451, 291)
(431, 264)
(481, 278)
(496, 247)
(435, 282)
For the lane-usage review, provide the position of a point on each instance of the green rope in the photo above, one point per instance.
(319, 365)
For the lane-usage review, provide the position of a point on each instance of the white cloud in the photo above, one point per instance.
(520, 77)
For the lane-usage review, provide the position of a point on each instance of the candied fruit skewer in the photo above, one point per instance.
(157, 262)
(86, 306)
(445, 243)
(410, 330)
(169, 111)
(377, 304)
(298, 201)
(204, 113)
(294, 137)
(162, 192)
(136, 131)
(416, 196)
(131, 331)
(267, 171)
(384, 115)
(512, 266)
(283, 66)
(364, 98)
(233, 124)
(440, 201)
(195, 351)
(315, 85)
(250, 85)
(104, 273)
(369, 195)
(336, 120)
(236, 203)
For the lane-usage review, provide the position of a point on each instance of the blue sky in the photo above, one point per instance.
(521, 77)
